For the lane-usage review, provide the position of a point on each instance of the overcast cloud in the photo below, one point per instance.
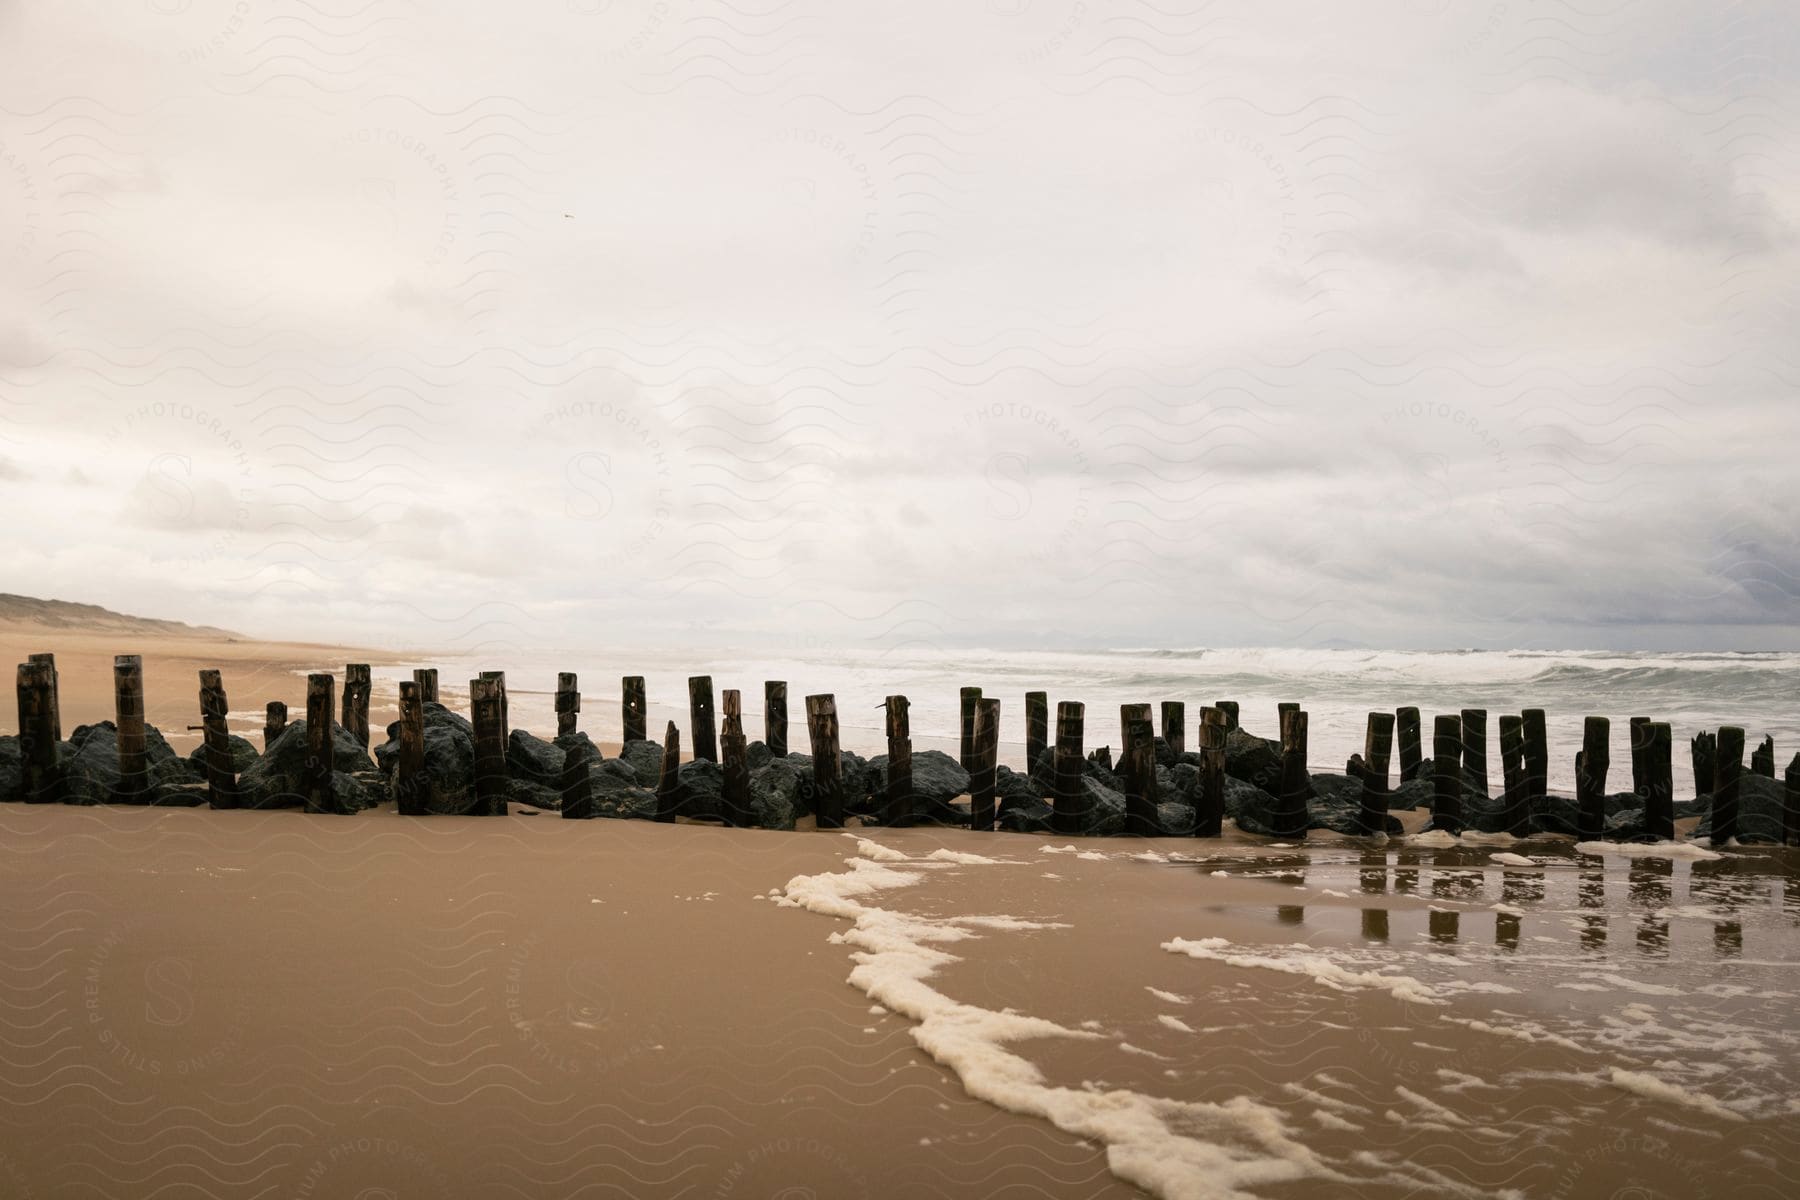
(1005, 322)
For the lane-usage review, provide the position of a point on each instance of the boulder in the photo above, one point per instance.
(937, 777)
(758, 755)
(276, 778)
(645, 760)
(532, 760)
(91, 767)
(1176, 818)
(1760, 801)
(449, 759)
(12, 768)
(243, 754)
(775, 794)
(1029, 815)
(616, 791)
(702, 789)
(1253, 760)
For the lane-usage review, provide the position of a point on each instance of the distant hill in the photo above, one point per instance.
(62, 614)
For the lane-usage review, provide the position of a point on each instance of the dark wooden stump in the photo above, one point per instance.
(1378, 754)
(128, 716)
(1537, 758)
(1410, 734)
(1659, 781)
(575, 785)
(828, 763)
(1129, 716)
(1790, 804)
(568, 703)
(221, 780)
(633, 709)
(321, 795)
(987, 759)
(1174, 726)
(1762, 759)
(1446, 774)
(499, 680)
(275, 719)
(1138, 764)
(1706, 763)
(899, 804)
(49, 660)
(487, 710)
(1639, 742)
(731, 704)
(700, 718)
(409, 771)
(1475, 749)
(358, 684)
(1230, 709)
(734, 788)
(40, 753)
(1725, 794)
(1071, 808)
(1282, 709)
(1591, 767)
(1209, 803)
(970, 700)
(1037, 728)
(1290, 815)
(775, 717)
(669, 795)
(427, 679)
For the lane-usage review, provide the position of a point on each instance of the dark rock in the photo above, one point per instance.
(757, 754)
(1028, 815)
(1010, 787)
(938, 779)
(1760, 801)
(1165, 756)
(645, 761)
(12, 768)
(243, 754)
(1253, 760)
(91, 766)
(702, 788)
(1413, 794)
(532, 760)
(775, 799)
(1175, 818)
(534, 795)
(449, 761)
(276, 778)
(1043, 773)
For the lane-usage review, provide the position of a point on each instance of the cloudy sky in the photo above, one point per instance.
(999, 322)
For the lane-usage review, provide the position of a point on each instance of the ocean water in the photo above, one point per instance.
(1338, 688)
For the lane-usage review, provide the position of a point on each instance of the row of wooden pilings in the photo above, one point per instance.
(1459, 753)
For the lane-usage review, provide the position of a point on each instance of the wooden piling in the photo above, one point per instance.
(275, 719)
(734, 788)
(55, 701)
(1725, 792)
(1705, 749)
(1410, 734)
(41, 772)
(427, 679)
(487, 711)
(221, 780)
(1290, 815)
(1282, 709)
(828, 763)
(1129, 716)
(1037, 728)
(1378, 746)
(971, 699)
(1174, 726)
(632, 709)
(1230, 709)
(1639, 744)
(568, 703)
(775, 717)
(668, 784)
(1515, 813)
(1475, 749)
(1446, 774)
(1790, 803)
(899, 804)
(409, 770)
(1209, 803)
(1591, 767)
(731, 704)
(1762, 759)
(700, 718)
(1537, 758)
(575, 783)
(1138, 763)
(1071, 807)
(358, 683)
(128, 716)
(987, 758)
(321, 795)
(499, 680)
(1659, 780)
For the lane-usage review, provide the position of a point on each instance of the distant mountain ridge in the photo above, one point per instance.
(65, 614)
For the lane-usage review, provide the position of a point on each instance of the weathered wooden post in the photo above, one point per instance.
(1071, 809)
(1790, 804)
(700, 717)
(1537, 758)
(275, 717)
(1290, 816)
(575, 784)
(1515, 813)
(1659, 780)
(668, 784)
(499, 680)
(734, 787)
(1378, 749)
(1591, 767)
(1410, 734)
(1725, 793)
(1129, 716)
(1474, 748)
(427, 679)
(358, 683)
(1209, 804)
(221, 780)
(41, 774)
(987, 758)
(1706, 763)
(321, 797)
(900, 769)
(632, 709)
(128, 715)
(1139, 768)
(1446, 774)
(971, 698)
(1174, 726)
(487, 710)
(1230, 709)
(409, 771)
(731, 704)
(1037, 728)
(775, 717)
(568, 703)
(1282, 709)
(828, 764)
(49, 660)
(1639, 744)
(1762, 759)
